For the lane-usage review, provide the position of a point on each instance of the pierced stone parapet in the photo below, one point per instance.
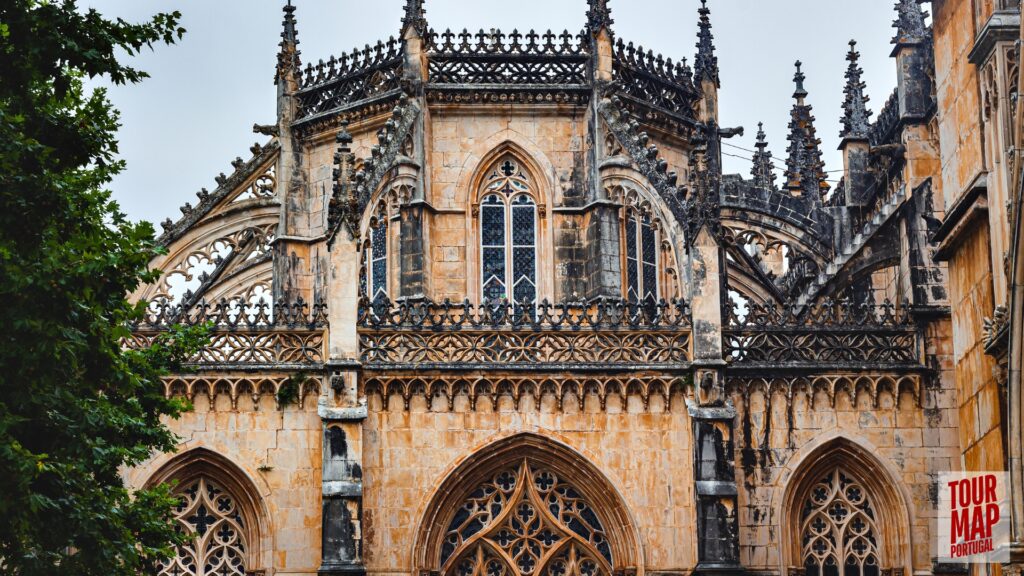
(598, 314)
(514, 59)
(653, 80)
(354, 77)
(275, 348)
(831, 334)
(232, 315)
(576, 335)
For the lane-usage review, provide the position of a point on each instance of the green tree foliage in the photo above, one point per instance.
(75, 410)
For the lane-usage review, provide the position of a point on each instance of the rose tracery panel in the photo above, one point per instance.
(839, 535)
(211, 516)
(525, 521)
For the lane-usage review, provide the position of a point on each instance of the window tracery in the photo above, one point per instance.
(188, 271)
(209, 513)
(641, 259)
(508, 236)
(838, 528)
(376, 258)
(525, 521)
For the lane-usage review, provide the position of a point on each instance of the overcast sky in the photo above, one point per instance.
(184, 125)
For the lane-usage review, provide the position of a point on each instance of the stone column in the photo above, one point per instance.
(342, 510)
(342, 411)
(712, 415)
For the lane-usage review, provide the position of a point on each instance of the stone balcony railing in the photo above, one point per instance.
(359, 76)
(495, 66)
(828, 337)
(600, 335)
(258, 335)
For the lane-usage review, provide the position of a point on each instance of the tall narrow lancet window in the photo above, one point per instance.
(508, 236)
(374, 279)
(377, 260)
(641, 260)
(211, 517)
(838, 528)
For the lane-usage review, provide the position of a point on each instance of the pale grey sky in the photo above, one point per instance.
(184, 125)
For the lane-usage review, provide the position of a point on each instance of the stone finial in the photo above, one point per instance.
(856, 116)
(599, 16)
(415, 17)
(763, 170)
(288, 56)
(706, 63)
(798, 78)
(290, 34)
(909, 24)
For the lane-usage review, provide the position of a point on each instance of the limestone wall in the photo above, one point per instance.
(278, 451)
(644, 454)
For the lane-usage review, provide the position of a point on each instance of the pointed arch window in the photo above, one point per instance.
(375, 260)
(508, 236)
(526, 521)
(839, 534)
(641, 259)
(209, 514)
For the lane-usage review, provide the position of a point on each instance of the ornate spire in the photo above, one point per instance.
(288, 56)
(763, 170)
(798, 78)
(805, 170)
(415, 17)
(599, 16)
(706, 63)
(909, 23)
(856, 116)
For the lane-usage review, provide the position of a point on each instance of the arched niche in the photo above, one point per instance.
(841, 472)
(204, 469)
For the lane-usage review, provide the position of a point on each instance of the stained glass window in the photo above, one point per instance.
(210, 515)
(838, 530)
(525, 521)
(641, 260)
(508, 237)
(377, 260)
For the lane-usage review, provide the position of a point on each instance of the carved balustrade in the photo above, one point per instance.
(831, 335)
(653, 80)
(358, 76)
(514, 59)
(258, 334)
(576, 335)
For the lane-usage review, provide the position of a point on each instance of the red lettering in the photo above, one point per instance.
(958, 526)
(952, 493)
(977, 523)
(990, 488)
(991, 518)
(965, 493)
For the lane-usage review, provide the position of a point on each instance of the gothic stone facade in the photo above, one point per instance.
(486, 304)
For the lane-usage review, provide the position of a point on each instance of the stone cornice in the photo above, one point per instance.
(1002, 26)
(972, 204)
